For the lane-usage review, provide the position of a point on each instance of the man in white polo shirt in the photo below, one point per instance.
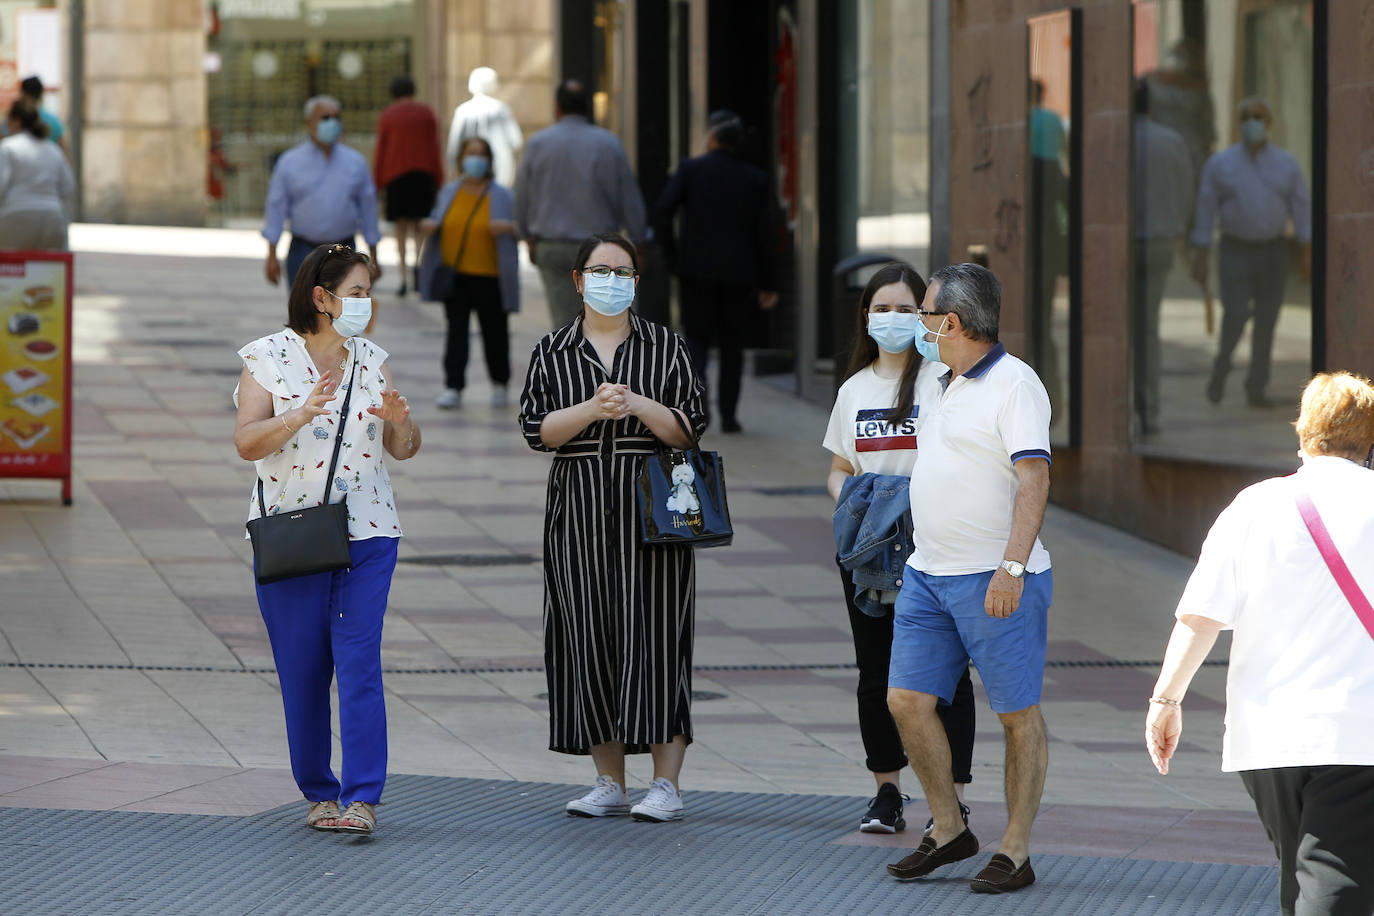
(978, 584)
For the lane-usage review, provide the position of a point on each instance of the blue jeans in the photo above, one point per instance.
(321, 625)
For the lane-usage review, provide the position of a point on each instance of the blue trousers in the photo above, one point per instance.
(321, 625)
(299, 248)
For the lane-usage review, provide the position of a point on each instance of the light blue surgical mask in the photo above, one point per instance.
(328, 131)
(476, 166)
(608, 296)
(356, 313)
(1253, 131)
(930, 349)
(893, 331)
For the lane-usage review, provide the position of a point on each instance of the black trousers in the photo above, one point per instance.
(481, 295)
(882, 742)
(1319, 820)
(719, 313)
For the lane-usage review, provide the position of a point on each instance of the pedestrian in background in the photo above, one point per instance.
(289, 394)
(601, 393)
(1251, 190)
(487, 117)
(476, 239)
(31, 91)
(323, 188)
(406, 166)
(1288, 568)
(978, 583)
(36, 184)
(574, 182)
(872, 438)
(723, 253)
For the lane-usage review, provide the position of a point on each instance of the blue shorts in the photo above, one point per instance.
(940, 624)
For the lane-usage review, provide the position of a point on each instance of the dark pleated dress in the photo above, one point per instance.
(618, 616)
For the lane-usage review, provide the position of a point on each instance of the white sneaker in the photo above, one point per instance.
(606, 799)
(663, 803)
(499, 398)
(451, 398)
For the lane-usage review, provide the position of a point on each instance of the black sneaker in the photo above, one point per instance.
(884, 813)
(963, 810)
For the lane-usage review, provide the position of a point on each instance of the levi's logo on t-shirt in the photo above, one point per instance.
(873, 433)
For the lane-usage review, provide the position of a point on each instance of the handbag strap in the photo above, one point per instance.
(463, 242)
(682, 424)
(338, 437)
(1334, 562)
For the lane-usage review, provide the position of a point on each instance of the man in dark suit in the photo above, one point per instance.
(722, 254)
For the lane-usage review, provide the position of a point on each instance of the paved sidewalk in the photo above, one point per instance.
(135, 674)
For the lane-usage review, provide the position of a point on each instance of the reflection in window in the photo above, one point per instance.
(1221, 299)
(1049, 122)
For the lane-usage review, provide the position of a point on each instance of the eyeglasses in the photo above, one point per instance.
(923, 313)
(602, 271)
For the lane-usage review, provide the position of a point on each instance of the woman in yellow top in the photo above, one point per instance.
(474, 219)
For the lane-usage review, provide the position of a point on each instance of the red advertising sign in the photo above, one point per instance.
(36, 366)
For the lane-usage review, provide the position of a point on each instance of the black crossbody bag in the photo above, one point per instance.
(305, 541)
(446, 277)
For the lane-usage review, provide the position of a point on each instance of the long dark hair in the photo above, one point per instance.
(865, 351)
(326, 266)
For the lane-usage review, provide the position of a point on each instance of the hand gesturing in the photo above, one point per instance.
(393, 409)
(320, 395)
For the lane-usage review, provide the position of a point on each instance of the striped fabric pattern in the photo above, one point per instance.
(618, 616)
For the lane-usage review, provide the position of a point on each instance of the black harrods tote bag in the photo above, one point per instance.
(305, 541)
(682, 497)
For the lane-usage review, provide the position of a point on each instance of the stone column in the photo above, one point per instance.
(145, 148)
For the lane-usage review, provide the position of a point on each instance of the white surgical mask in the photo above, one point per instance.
(608, 296)
(356, 313)
(894, 331)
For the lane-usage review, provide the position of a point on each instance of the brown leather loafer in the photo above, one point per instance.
(1000, 876)
(929, 857)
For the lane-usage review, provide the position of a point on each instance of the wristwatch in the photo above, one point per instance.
(1014, 569)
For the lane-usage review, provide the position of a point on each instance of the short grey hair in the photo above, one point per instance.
(974, 294)
(1254, 100)
(315, 101)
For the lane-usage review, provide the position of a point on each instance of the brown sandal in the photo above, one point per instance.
(322, 811)
(362, 813)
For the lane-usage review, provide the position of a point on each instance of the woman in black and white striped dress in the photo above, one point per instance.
(618, 616)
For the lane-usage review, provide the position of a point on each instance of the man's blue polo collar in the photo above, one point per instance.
(990, 358)
(980, 368)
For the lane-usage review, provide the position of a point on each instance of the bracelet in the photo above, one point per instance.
(1165, 701)
(410, 436)
(287, 425)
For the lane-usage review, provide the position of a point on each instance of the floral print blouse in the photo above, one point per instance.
(294, 475)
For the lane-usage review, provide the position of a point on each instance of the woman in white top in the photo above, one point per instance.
(35, 184)
(1300, 686)
(289, 395)
(873, 431)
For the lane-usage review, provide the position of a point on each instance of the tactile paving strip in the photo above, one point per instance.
(484, 846)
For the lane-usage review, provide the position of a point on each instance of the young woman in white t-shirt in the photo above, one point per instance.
(873, 431)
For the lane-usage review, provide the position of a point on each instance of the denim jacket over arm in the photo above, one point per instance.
(873, 536)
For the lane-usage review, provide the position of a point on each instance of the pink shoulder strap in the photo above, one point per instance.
(1317, 528)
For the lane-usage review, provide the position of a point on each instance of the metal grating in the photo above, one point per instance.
(485, 846)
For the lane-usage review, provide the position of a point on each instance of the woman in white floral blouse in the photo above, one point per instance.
(289, 396)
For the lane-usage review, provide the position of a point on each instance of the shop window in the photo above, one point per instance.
(1221, 297)
(1053, 217)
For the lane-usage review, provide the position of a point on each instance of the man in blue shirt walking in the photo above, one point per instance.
(324, 189)
(1251, 189)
